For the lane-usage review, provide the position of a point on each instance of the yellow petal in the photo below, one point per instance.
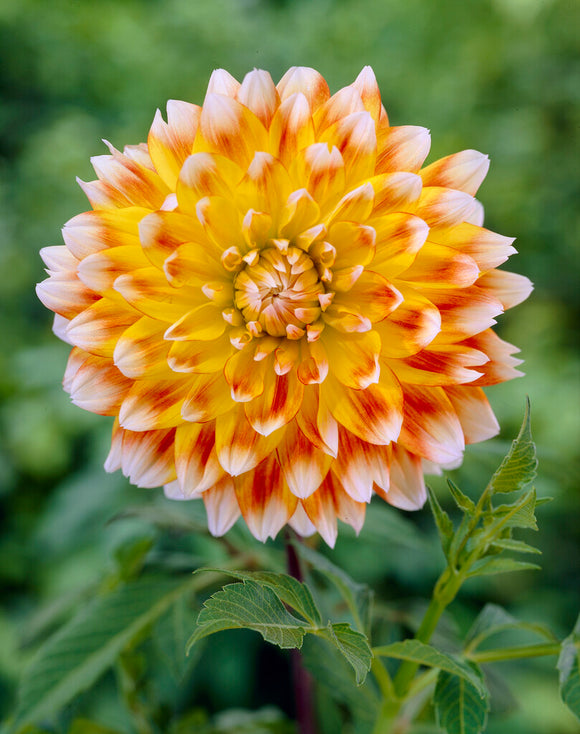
(190, 264)
(141, 350)
(402, 148)
(292, 128)
(206, 174)
(413, 325)
(487, 248)
(170, 143)
(222, 222)
(374, 414)
(448, 364)
(464, 311)
(356, 206)
(100, 270)
(372, 295)
(366, 85)
(441, 207)
(299, 213)
(399, 237)
(321, 171)
(354, 243)
(395, 192)
(354, 136)
(354, 358)
(265, 187)
(153, 403)
(277, 404)
(162, 232)
(244, 375)
(147, 290)
(199, 357)
(443, 266)
(304, 465)
(259, 94)
(204, 323)
(97, 328)
(229, 128)
(309, 82)
(207, 398)
(239, 447)
(345, 102)
(464, 171)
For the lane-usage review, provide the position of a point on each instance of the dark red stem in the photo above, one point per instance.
(301, 678)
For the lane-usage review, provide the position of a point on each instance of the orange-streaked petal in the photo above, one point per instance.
(304, 466)
(265, 187)
(307, 81)
(292, 128)
(395, 192)
(97, 328)
(407, 489)
(229, 128)
(431, 428)
(464, 311)
(374, 414)
(199, 357)
(354, 466)
(147, 457)
(354, 358)
(413, 325)
(317, 422)
(355, 138)
(94, 383)
(162, 232)
(509, 288)
(239, 447)
(373, 295)
(441, 265)
(487, 248)
(153, 403)
(366, 85)
(320, 170)
(277, 404)
(354, 243)
(196, 461)
(141, 350)
(399, 237)
(402, 148)
(206, 174)
(447, 364)
(245, 376)
(204, 323)
(264, 499)
(464, 171)
(474, 412)
(441, 207)
(147, 290)
(501, 365)
(98, 230)
(259, 94)
(208, 396)
(65, 295)
(100, 270)
(169, 143)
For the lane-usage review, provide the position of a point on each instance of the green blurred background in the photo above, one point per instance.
(501, 76)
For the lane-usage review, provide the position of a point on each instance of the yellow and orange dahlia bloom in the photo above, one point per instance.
(282, 309)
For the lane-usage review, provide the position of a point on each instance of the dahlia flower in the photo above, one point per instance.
(282, 309)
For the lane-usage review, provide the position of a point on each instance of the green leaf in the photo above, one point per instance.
(354, 646)
(493, 564)
(419, 652)
(357, 596)
(519, 514)
(248, 605)
(80, 652)
(569, 667)
(442, 520)
(84, 726)
(519, 466)
(461, 500)
(494, 619)
(515, 545)
(290, 590)
(458, 706)
(331, 670)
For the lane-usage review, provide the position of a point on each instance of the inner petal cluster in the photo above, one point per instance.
(278, 292)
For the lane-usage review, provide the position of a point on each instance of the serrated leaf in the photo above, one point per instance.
(515, 545)
(80, 652)
(293, 592)
(494, 564)
(458, 706)
(419, 652)
(354, 646)
(248, 605)
(519, 466)
(494, 619)
(569, 667)
(519, 514)
(442, 520)
(357, 596)
(461, 500)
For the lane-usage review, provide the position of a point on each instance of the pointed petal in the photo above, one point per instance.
(354, 358)
(94, 383)
(355, 206)
(464, 171)
(277, 404)
(300, 522)
(239, 447)
(141, 350)
(147, 457)
(66, 296)
(374, 296)
(100, 270)
(147, 290)
(292, 128)
(509, 288)
(407, 489)
(91, 232)
(199, 357)
(501, 365)
(413, 325)
(354, 243)
(207, 397)
(399, 237)
(487, 248)
(204, 323)
(222, 82)
(317, 423)
(395, 192)
(221, 506)
(355, 138)
(97, 328)
(464, 311)
(366, 85)
(259, 94)
(345, 102)
(265, 187)
(206, 174)
(152, 404)
(447, 364)
(374, 414)
(474, 412)
(230, 129)
(402, 148)
(170, 143)
(246, 376)
(306, 81)
(431, 428)
(196, 460)
(320, 170)
(441, 207)
(304, 466)
(354, 466)
(264, 499)
(162, 232)
(443, 266)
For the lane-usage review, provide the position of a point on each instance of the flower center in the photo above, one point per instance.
(279, 292)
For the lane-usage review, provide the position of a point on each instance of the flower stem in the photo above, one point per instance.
(514, 653)
(302, 679)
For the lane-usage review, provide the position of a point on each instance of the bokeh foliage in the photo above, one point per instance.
(502, 76)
